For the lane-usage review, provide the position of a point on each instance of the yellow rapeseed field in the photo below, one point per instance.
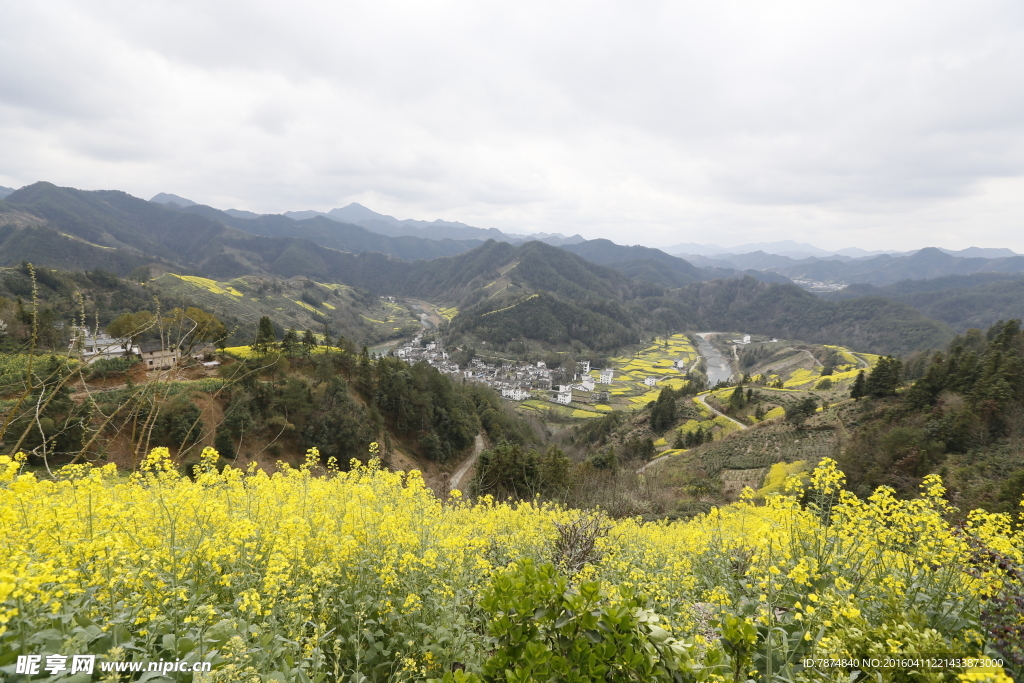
(316, 574)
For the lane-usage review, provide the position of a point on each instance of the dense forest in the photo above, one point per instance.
(963, 417)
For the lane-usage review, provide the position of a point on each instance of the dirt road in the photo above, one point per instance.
(456, 479)
(700, 399)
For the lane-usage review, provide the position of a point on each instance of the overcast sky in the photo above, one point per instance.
(873, 124)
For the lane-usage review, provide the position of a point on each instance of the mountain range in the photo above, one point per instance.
(357, 214)
(592, 292)
(796, 251)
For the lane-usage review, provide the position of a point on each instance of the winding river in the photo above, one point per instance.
(719, 369)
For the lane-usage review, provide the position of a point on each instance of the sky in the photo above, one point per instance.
(880, 125)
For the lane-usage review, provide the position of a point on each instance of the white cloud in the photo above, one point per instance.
(877, 124)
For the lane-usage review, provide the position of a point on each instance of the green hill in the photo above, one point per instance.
(886, 269)
(786, 311)
(199, 239)
(337, 235)
(961, 301)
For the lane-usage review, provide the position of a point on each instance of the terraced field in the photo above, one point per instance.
(628, 390)
(561, 413)
(295, 304)
(760, 458)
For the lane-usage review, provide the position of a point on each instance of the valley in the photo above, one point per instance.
(495, 378)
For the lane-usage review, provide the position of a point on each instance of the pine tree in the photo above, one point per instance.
(265, 336)
(857, 390)
(289, 342)
(308, 342)
(736, 399)
(886, 377)
(664, 412)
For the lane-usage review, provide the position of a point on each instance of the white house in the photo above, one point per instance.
(746, 339)
(607, 376)
(515, 394)
(93, 347)
(584, 366)
(564, 397)
(680, 364)
(541, 364)
(587, 383)
(651, 381)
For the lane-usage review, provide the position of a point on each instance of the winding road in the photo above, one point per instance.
(699, 398)
(456, 479)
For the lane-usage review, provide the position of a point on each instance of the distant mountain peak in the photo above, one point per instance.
(4, 191)
(167, 198)
(355, 212)
(931, 252)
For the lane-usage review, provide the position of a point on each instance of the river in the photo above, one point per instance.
(719, 369)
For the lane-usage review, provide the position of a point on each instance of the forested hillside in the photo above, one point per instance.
(963, 417)
(886, 269)
(786, 311)
(961, 301)
(339, 235)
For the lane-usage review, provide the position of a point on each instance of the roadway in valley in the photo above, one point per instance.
(719, 369)
(456, 479)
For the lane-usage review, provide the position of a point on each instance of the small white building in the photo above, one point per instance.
(93, 347)
(587, 383)
(607, 376)
(746, 339)
(651, 381)
(515, 394)
(564, 397)
(584, 366)
(680, 364)
(541, 364)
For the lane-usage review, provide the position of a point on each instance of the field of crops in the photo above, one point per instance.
(306, 575)
(14, 367)
(249, 298)
(628, 390)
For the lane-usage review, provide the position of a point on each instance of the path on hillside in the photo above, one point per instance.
(700, 399)
(456, 479)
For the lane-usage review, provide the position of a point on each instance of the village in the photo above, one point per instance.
(523, 381)
(515, 382)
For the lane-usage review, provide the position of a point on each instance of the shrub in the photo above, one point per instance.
(110, 367)
(546, 631)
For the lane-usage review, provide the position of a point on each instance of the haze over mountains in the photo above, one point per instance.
(803, 250)
(357, 214)
(594, 292)
(772, 257)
